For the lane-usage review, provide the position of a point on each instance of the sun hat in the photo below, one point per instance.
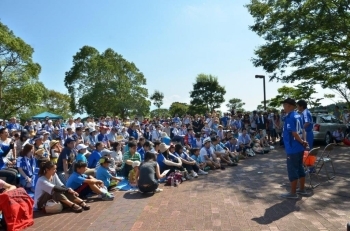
(53, 142)
(163, 134)
(163, 147)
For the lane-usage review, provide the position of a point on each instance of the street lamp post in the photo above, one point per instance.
(262, 77)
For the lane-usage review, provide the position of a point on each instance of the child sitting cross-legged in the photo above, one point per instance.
(104, 174)
(85, 185)
(201, 165)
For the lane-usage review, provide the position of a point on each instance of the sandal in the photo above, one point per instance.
(76, 208)
(84, 205)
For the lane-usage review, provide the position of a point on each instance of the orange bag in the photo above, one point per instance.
(309, 160)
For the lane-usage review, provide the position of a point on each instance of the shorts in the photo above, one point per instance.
(295, 166)
(84, 190)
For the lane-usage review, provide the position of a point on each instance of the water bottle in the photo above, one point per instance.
(172, 182)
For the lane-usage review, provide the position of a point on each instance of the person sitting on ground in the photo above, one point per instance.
(55, 150)
(85, 185)
(167, 160)
(95, 155)
(245, 143)
(129, 158)
(258, 149)
(165, 138)
(26, 164)
(103, 173)
(82, 148)
(338, 136)
(187, 162)
(195, 156)
(50, 187)
(65, 160)
(133, 173)
(221, 153)
(233, 148)
(207, 155)
(186, 157)
(117, 155)
(149, 174)
(263, 141)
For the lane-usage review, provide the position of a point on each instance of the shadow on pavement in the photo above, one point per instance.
(277, 212)
(137, 195)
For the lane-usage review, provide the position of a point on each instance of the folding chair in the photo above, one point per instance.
(326, 158)
(309, 162)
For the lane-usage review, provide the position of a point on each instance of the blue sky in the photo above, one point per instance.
(171, 42)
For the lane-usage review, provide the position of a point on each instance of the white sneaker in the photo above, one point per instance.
(158, 190)
(201, 172)
(194, 174)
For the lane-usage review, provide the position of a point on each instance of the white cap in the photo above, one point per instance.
(206, 140)
(81, 146)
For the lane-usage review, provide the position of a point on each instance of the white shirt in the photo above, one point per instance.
(203, 153)
(44, 185)
(156, 135)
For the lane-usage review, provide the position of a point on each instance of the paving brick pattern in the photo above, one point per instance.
(239, 198)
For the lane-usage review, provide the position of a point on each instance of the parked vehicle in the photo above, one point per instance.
(324, 126)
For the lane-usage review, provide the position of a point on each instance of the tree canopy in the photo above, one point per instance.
(207, 94)
(157, 98)
(305, 40)
(299, 92)
(235, 103)
(162, 112)
(106, 83)
(178, 108)
(20, 88)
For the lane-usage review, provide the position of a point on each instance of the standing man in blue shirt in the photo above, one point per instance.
(294, 146)
(308, 123)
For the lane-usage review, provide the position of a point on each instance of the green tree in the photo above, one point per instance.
(157, 98)
(300, 91)
(20, 88)
(305, 40)
(207, 93)
(178, 108)
(54, 102)
(106, 83)
(161, 112)
(236, 104)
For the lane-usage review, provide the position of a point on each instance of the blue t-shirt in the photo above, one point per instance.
(94, 158)
(81, 157)
(103, 174)
(232, 147)
(307, 118)
(75, 180)
(292, 123)
(142, 153)
(102, 138)
(160, 159)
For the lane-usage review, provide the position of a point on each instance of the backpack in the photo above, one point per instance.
(175, 177)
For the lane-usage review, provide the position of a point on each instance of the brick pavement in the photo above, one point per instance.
(240, 198)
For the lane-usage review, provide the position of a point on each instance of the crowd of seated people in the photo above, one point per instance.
(68, 162)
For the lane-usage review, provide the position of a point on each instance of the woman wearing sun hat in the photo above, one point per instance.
(55, 150)
(166, 160)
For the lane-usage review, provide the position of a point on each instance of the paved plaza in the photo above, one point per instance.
(239, 198)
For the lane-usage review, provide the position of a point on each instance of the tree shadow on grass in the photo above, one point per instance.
(277, 211)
